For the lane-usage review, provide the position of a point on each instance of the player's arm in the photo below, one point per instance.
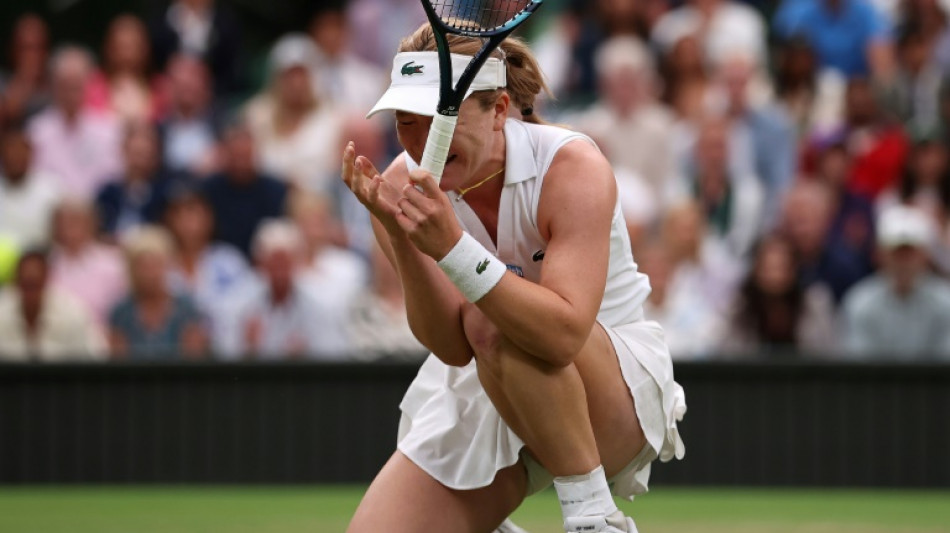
(551, 319)
(433, 304)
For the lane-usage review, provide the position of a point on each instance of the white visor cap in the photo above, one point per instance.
(415, 81)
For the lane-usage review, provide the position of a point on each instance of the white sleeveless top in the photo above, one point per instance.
(530, 149)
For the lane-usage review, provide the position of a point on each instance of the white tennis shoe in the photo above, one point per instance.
(615, 523)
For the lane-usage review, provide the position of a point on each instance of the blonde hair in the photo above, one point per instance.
(525, 80)
(147, 239)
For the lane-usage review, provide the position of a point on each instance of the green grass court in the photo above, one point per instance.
(322, 509)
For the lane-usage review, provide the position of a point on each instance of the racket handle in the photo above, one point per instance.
(437, 145)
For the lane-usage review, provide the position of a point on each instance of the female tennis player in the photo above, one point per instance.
(519, 278)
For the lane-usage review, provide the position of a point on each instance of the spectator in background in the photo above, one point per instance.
(813, 98)
(903, 312)
(376, 321)
(850, 36)
(913, 96)
(731, 200)
(298, 135)
(40, 323)
(152, 322)
(761, 125)
(279, 318)
(91, 272)
(852, 227)
(633, 129)
(241, 196)
(807, 216)
(125, 86)
(139, 195)
(723, 27)
(205, 29)
(190, 129)
(330, 271)
(209, 272)
(25, 90)
(71, 140)
(27, 197)
(685, 78)
(773, 314)
(342, 77)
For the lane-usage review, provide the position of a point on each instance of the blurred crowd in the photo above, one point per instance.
(783, 168)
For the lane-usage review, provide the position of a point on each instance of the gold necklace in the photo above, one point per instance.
(462, 191)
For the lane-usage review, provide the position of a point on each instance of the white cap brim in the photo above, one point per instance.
(414, 85)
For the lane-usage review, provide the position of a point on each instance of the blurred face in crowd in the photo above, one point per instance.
(328, 30)
(31, 276)
(913, 52)
(315, 221)
(654, 260)
(774, 267)
(686, 57)
(279, 266)
(797, 63)
(834, 167)
(625, 88)
(683, 230)
(905, 264)
(147, 272)
(735, 74)
(191, 222)
(70, 76)
(141, 151)
(807, 217)
(16, 156)
(293, 88)
(30, 46)
(929, 162)
(860, 103)
(240, 156)
(126, 47)
(712, 161)
(189, 84)
(74, 225)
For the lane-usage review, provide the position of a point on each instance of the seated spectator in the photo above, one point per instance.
(203, 28)
(376, 323)
(773, 314)
(240, 195)
(190, 129)
(40, 323)
(70, 140)
(692, 323)
(344, 79)
(685, 79)
(139, 195)
(903, 312)
(723, 26)
(210, 272)
(812, 97)
(25, 89)
(763, 126)
(91, 272)
(850, 36)
(331, 271)
(152, 322)
(913, 95)
(279, 318)
(124, 86)
(807, 216)
(633, 129)
(27, 197)
(731, 200)
(297, 134)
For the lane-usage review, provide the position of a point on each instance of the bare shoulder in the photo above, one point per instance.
(580, 171)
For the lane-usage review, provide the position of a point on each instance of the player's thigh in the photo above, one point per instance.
(613, 414)
(405, 499)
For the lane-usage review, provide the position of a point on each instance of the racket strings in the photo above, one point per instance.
(478, 15)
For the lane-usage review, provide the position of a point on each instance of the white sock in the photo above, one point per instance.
(585, 495)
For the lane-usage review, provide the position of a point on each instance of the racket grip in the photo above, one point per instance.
(437, 144)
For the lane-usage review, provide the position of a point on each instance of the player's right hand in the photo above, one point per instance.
(370, 188)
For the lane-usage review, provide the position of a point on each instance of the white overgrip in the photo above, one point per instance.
(437, 145)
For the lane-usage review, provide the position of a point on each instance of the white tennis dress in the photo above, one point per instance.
(449, 426)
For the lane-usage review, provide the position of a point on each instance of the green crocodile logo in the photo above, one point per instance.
(481, 267)
(410, 68)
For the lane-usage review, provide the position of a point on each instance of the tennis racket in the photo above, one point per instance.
(489, 20)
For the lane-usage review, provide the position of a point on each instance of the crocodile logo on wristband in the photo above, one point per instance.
(481, 267)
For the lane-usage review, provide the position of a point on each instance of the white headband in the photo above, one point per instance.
(414, 86)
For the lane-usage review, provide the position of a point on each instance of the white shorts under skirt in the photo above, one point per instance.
(451, 430)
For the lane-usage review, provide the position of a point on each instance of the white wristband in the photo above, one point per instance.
(472, 268)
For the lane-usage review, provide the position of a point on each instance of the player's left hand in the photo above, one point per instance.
(426, 216)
